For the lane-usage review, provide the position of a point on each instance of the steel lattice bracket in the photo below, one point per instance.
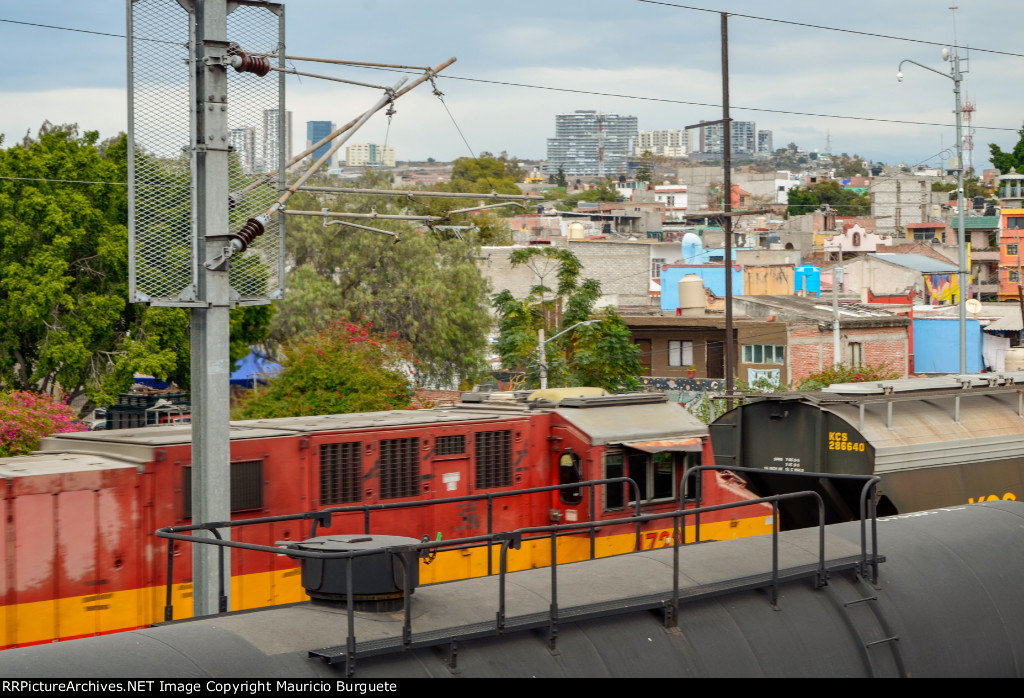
(164, 250)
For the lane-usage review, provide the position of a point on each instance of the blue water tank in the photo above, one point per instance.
(807, 279)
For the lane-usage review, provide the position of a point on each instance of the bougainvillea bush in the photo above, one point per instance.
(345, 368)
(846, 373)
(27, 417)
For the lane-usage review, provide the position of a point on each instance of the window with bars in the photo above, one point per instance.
(493, 459)
(246, 487)
(450, 445)
(341, 472)
(399, 468)
(656, 476)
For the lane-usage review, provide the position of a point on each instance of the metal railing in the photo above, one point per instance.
(323, 518)
(866, 501)
(408, 554)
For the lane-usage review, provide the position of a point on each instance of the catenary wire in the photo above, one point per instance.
(624, 96)
(819, 26)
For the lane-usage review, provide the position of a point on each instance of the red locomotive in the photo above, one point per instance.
(80, 557)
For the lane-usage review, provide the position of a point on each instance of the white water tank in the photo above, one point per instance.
(576, 231)
(1015, 359)
(692, 300)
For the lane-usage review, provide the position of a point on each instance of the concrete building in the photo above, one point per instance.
(592, 143)
(369, 155)
(316, 131)
(673, 144)
(898, 201)
(931, 281)
(781, 338)
(272, 139)
(764, 143)
(243, 142)
(744, 138)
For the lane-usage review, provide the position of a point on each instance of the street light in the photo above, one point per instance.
(956, 75)
(542, 355)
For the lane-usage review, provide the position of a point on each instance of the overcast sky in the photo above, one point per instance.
(623, 47)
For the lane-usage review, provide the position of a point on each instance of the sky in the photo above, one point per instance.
(658, 62)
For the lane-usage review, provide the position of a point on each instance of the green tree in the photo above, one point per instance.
(344, 368)
(602, 192)
(69, 328)
(484, 175)
(1005, 160)
(599, 354)
(426, 287)
(845, 201)
(560, 180)
(645, 172)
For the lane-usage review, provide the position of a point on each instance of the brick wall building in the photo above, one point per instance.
(782, 338)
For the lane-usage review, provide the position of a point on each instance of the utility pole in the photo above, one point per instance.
(211, 447)
(726, 121)
(730, 350)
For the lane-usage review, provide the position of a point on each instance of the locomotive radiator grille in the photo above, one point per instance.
(399, 468)
(341, 469)
(493, 459)
(246, 487)
(450, 445)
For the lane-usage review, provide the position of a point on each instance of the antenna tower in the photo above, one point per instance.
(968, 145)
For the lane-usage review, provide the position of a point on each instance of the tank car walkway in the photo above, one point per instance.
(705, 571)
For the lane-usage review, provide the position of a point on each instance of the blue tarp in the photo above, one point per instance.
(254, 367)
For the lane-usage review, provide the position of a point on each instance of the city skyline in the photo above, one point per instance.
(618, 56)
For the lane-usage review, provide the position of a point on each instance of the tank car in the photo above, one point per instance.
(933, 441)
(819, 611)
(79, 556)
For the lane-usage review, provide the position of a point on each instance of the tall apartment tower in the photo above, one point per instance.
(592, 143)
(243, 141)
(764, 143)
(272, 139)
(315, 131)
(744, 138)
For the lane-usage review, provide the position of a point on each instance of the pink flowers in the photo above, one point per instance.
(27, 417)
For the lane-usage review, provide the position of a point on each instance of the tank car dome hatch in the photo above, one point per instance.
(904, 624)
(378, 579)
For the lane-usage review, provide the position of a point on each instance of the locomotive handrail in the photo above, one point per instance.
(322, 518)
(866, 501)
(489, 497)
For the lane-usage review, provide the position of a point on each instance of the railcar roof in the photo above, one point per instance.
(930, 421)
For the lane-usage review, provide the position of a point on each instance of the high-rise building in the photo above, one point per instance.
(744, 138)
(315, 132)
(668, 143)
(369, 155)
(764, 143)
(272, 139)
(592, 143)
(243, 141)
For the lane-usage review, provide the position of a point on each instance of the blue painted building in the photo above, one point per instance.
(712, 274)
(937, 345)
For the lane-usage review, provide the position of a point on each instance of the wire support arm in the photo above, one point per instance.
(411, 193)
(337, 132)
